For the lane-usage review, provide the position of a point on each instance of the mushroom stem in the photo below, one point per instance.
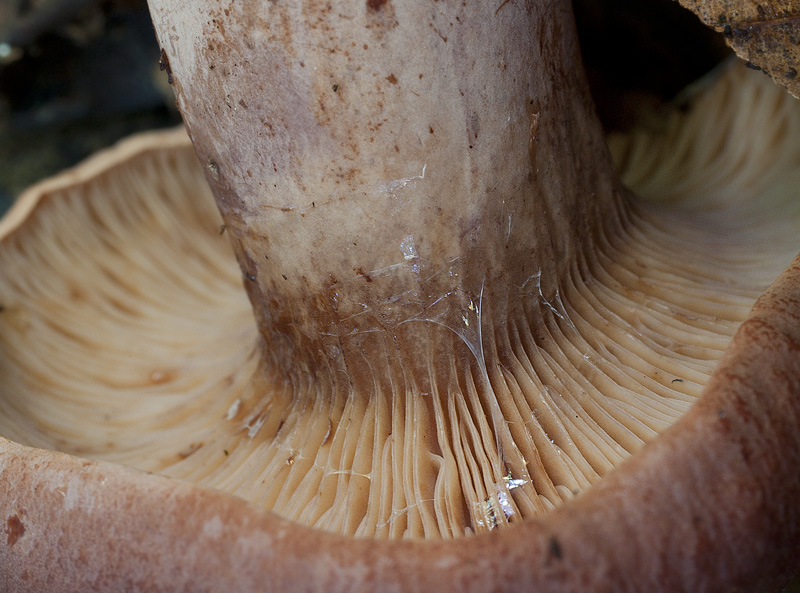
(388, 170)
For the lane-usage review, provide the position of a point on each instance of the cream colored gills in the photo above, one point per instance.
(461, 322)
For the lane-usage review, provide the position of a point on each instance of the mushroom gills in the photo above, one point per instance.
(126, 336)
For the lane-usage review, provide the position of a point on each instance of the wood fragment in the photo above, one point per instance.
(766, 34)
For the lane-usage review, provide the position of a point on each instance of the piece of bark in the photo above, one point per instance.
(764, 34)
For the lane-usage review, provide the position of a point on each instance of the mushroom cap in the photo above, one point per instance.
(715, 490)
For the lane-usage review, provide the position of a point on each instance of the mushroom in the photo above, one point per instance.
(473, 361)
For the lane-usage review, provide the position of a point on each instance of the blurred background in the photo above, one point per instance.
(77, 75)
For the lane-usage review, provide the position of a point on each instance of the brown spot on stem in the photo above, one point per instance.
(14, 529)
(555, 548)
(376, 5)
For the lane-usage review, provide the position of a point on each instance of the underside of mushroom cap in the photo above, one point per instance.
(717, 493)
(126, 337)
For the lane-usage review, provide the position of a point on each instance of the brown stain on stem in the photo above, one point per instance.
(15, 529)
(376, 5)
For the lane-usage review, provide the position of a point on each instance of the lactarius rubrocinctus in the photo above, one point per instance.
(461, 322)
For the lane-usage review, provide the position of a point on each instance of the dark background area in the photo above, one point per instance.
(77, 75)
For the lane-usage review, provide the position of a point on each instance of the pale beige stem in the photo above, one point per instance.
(386, 161)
